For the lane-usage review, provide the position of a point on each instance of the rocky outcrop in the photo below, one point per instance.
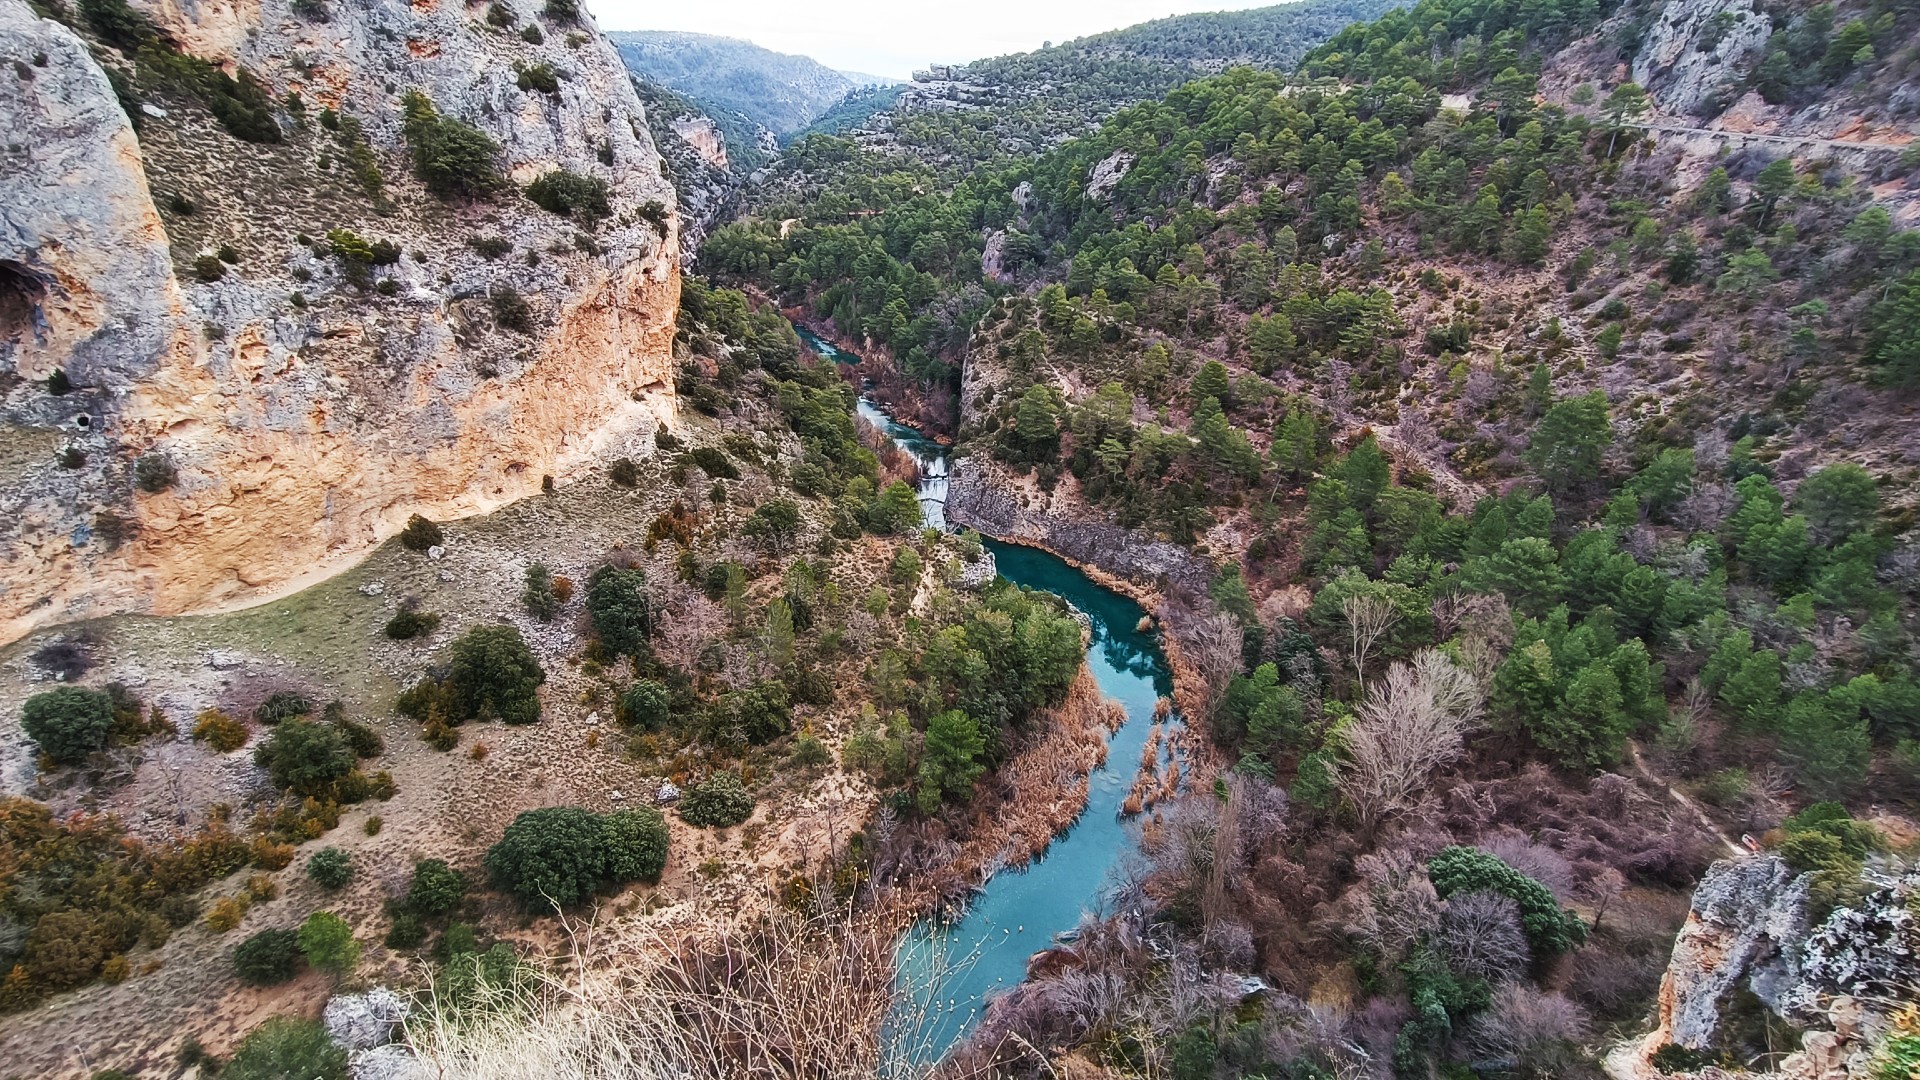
(364, 1021)
(1104, 177)
(982, 496)
(1747, 931)
(701, 133)
(291, 416)
(1694, 47)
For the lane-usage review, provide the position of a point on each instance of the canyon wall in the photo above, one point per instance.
(201, 405)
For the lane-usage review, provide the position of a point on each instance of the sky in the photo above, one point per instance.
(895, 37)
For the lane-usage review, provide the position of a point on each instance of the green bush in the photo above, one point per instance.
(721, 802)
(268, 958)
(407, 932)
(492, 674)
(555, 855)
(68, 723)
(500, 15)
(621, 613)
(541, 78)
(636, 844)
(283, 705)
(536, 593)
(408, 624)
(1550, 930)
(437, 889)
(208, 269)
(330, 868)
(454, 159)
(305, 758)
(118, 24)
(421, 534)
(715, 463)
(327, 941)
(286, 1047)
(569, 194)
(624, 473)
(646, 705)
(563, 10)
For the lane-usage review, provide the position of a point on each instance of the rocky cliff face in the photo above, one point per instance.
(1748, 936)
(248, 412)
(1693, 46)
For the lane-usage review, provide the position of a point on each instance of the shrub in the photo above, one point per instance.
(283, 705)
(330, 868)
(569, 194)
(500, 15)
(219, 731)
(327, 941)
(372, 827)
(554, 855)
(268, 958)
(454, 159)
(66, 948)
(408, 624)
(536, 593)
(208, 269)
(287, 1047)
(437, 888)
(563, 10)
(407, 932)
(624, 473)
(154, 473)
(531, 35)
(636, 844)
(227, 912)
(645, 705)
(666, 441)
(715, 463)
(721, 802)
(305, 758)
(492, 673)
(622, 616)
(421, 534)
(1549, 929)
(59, 384)
(511, 310)
(68, 723)
(541, 78)
(489, 247)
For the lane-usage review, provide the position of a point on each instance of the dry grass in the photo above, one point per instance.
(775, 996)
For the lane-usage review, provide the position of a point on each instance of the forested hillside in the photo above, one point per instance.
(1555, 467)
(1024, 104)
(782, 93)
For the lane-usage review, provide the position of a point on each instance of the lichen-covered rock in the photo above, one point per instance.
(364, 1021)
(1745, 928)
(303, 414)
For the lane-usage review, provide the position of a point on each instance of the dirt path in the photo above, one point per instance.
(1802, 142)
(1699, 812)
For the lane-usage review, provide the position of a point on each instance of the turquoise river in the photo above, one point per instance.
(965, 962)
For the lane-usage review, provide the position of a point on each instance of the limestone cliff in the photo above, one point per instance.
(1748, 943)
(200, 404)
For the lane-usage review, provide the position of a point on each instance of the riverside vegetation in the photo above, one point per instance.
(1557, 530)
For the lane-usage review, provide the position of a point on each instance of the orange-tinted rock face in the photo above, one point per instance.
(305, 414)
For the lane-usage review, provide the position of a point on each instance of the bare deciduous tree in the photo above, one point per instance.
(1411, 723)
(1212, 643)
(1480, 935)
(1369, 618)
(1392, 905)
(1538, 1031)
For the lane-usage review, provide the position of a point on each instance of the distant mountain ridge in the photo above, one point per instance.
(778, 91)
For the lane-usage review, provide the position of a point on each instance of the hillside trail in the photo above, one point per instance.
(1799, 141)
(1686, 801)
